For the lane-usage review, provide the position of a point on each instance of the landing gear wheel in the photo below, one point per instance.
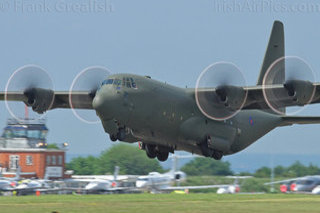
(162, 156)
(151, 151)
(113, 138)
(217, 155)
(121, 135)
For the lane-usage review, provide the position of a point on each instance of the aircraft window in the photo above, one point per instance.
(133, 84)
(108, 81)
(128, 83)
(117, 82)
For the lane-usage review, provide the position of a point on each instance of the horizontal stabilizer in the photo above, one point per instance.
(290, 120)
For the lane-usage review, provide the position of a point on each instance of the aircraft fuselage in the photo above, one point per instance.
(161, 114)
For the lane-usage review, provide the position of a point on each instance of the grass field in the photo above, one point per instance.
(162, 203)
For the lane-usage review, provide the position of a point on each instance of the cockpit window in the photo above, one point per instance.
(125, 82)
(117, 82)
(133, 83)
(129, 83)
(108, 81)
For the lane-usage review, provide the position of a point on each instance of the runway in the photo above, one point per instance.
(162, 203)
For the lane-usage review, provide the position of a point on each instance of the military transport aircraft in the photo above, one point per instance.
(212, 120)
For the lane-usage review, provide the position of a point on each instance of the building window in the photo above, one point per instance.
(29, 160)
(48, 160)
(60, 160)
(54, 160)
(14, 162)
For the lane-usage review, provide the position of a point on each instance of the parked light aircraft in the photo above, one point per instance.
(7, 184)
(212, 120)
(300, 184)
(30, 186)
(97, 184)
(156, 182)
(232, 188)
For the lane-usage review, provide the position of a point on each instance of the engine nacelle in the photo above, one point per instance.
(180, 176)
(300, 91)
(217, 143)
(231, 97)
(39, 99)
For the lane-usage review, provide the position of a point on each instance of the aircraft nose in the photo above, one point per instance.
(105, 103)
(97, 102)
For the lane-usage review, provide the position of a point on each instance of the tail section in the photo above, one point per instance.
(116, 172)
(275, 50)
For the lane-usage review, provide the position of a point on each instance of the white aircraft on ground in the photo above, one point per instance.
(155, 182)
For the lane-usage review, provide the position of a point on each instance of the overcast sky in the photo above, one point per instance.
(171, 41)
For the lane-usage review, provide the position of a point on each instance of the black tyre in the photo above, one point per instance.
(113, 138)
(163, 156)
(151, 150)
(217, 155)
(121, 134)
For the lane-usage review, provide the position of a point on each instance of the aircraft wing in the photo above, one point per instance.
(284, 181)
(80, 99)
(279, 95)
(172, 188)
(294, 93)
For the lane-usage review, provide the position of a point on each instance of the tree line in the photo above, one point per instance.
(133, 161)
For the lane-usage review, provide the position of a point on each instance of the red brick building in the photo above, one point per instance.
(34, 163)
(23, 144)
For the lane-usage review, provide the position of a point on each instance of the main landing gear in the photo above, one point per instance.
(121, 135)
(209, 152)
(154, 151)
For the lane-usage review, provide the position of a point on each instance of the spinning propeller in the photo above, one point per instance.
(296, 76)
(35, 84)
(89, 79)
(219, 91)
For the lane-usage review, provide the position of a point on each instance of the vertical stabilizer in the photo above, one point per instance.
(275, 50)
(116, 172)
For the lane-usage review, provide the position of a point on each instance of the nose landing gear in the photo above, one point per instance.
(121, 135)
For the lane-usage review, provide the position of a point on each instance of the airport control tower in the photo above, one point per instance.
(25, 133)
(23, 144)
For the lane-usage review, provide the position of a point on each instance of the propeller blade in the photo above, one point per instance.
(35, 83)
(297, 76)
(89, 79)
(219, 91)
